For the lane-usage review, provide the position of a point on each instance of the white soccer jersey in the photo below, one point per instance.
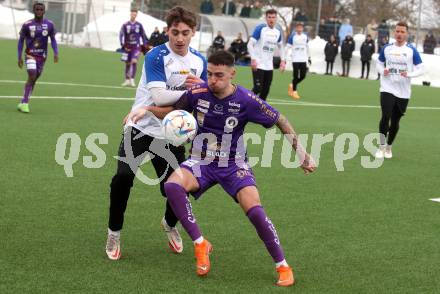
(164, 69)
(398, 59)
(299, 44)
(262, 45)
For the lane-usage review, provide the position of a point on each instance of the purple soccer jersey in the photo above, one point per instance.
(226, 119)
(218, 154)
(36, 34)
(130, 35)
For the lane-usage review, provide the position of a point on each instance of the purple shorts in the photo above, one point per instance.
(35, 64)
(133, 54)
(232, 178)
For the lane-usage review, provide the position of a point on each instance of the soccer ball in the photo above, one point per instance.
(179, 127)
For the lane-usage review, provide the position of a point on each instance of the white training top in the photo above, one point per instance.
(262, 43)
(164, 69)
(398, 59)
(299, 44)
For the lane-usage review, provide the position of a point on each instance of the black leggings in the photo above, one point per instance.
(345, 67)
(262, 81)
(329, 67)
(366, 63)
(122, 181)
(393, 108)
(299, 73)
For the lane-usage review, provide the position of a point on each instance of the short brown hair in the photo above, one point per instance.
(221, 57)
(179, 14)
(403, 24)
(271, 11)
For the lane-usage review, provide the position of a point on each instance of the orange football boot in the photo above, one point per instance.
(202, 252)
(285, 276)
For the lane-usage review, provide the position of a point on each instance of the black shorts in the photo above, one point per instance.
(390, 103)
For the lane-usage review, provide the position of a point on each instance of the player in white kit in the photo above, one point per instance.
(261, 47)
(298, 43)
(169, 69)
(397, 64)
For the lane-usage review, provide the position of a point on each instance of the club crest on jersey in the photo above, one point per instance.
(44, 33)
(231, 122)
(193, 71)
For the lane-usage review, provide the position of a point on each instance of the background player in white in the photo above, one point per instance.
(261, 47)
(397, 64)
(298, 43)
(168, 70)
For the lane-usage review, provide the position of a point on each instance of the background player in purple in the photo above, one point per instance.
(35, 33)
(130, 35)
(223, 109)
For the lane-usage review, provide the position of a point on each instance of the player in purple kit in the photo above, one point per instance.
(222, 110)
(35, 33)
(130, 35)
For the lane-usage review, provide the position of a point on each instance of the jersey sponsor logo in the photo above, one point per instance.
(234, 104)
(203, 103)
(218, 109)
(268, 111)
(231, 122)
(204, 110)
(180, 72)
(44, 33)
(200, 118)
(176, 88)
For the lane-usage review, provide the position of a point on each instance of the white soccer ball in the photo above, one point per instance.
(179, 127)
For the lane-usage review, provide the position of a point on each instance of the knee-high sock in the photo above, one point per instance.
(178, 199)
(133, 70)
(266, 231)
(27, 92)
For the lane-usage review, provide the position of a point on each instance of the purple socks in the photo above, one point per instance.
(130, 70)
(266, 231)
(127, 71)
(178, 199)
(133, 70)
(27, 92)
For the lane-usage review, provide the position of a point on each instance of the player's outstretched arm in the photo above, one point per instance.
(157, 111)
(307, 162)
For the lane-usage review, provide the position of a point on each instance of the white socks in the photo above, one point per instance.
(199, 240)
(117, 234)
(281, 263)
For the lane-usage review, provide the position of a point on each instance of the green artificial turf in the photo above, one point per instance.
(353, 231)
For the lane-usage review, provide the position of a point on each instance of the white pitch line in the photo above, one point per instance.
(303, 103)
(68, 84)
(435, 199)
(271, 101)
(274, 101)
(72, 97)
